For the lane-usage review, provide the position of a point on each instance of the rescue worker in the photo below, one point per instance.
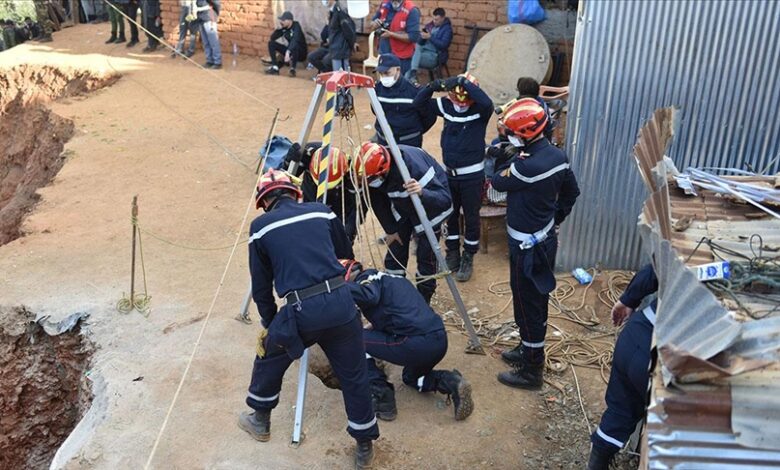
(396, 94)
(392, 205)
(404, 331)
(466, 112)
(541, 191)
(295, 248)
(338, 186)
(629, 379)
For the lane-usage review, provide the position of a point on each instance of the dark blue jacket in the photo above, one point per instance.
(440, 39)
(392, 204)
(205, 7)
(541, 187)
(296, 41)
(408, 122)
(151, 8)
(393, 305)
(292, 247)
(341, 33)
(463, 136)
(640, 325)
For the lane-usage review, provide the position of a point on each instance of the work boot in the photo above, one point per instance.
(257, 424)
(132, 42)
(120, 39)
(458, 390)
(112, 39)
(466, 267)
(216, 66)
(514, 357)
(599, 458)
(291, 72)
(272, 70)
(364, 455)
(453, 260)
(527, 376)
(383, 398)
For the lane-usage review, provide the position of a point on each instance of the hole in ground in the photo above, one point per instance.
(33, 137)
(43, 392)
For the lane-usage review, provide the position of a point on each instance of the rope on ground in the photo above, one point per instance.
(140, 302)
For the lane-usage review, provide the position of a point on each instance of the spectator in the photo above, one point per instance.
(21, 33)
(131, 10)
(153, 23)
(398, 21)
(208, 13)
(42, 15)
(117, 21)
(33, 28)
(341, 36)
(187, 23)
(527, 87)
(433, 48)
(295, 49)
(320, 58)
(9, 35)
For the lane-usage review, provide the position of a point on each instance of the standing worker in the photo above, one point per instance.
(466, 112)
(391, 202)
(541, 191)
(295, 248)
(208, 14)
(398, 22)
(396, 95)
(114, 16)
(151, 9)
(42, 14)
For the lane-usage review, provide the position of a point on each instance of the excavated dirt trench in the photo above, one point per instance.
(32, 135)
(43, 391)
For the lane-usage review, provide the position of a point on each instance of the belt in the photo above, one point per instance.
(528, 240)
(466, 170)
(295, 297)
(401, 138)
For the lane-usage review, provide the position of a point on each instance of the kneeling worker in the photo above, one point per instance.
(294, 247)
(406, 332)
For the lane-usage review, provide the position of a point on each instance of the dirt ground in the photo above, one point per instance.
(161, 132)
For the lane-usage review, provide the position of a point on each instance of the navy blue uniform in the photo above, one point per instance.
(629, 379)
(329, 319)
(406, 331)
(541, 190)
(407, 121)
(394, 210)
(463, 152)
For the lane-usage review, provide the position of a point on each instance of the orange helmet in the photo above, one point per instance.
(372, 160)
(350, 265)
(459, 95)
(271, 180)
(525, 118)
(338, 166)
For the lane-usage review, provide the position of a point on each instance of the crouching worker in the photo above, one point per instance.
(404, 331)
(295, 248)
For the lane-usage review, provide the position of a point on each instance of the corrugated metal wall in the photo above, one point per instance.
(717, 61)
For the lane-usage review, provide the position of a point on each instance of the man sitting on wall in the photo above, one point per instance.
(295, 49)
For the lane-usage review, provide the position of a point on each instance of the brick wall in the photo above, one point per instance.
(249, 24)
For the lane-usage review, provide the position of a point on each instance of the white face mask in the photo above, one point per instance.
(377, 182)
(387, 82)
(515, 141)
(461, 109)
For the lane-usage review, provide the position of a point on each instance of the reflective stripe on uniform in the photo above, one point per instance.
(292, 220)
(649, 314)
(395, 100)
(362, 427)
(396, 272)
(420, 382)
(607, 438)
(400, 138)
(540, 177)
(467, 170)
(449, 117)
(526, 238)
(470, 242)
(257, 398)
(426, 178)
(533, 345)
(435, 221)
(453, 237)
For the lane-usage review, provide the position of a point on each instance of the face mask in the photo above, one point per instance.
(387, 81)
(376, 183)
(515, 141)
(461, 109)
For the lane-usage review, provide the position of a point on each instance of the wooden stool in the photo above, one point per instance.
(486, 215)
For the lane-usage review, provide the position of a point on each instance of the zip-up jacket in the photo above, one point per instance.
(341, 34)
(408, 122)
(296, 41)
(441, 38)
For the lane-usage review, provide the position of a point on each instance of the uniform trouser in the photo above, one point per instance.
(416, 141)
(154, 29)
(131, 10)
(466, 196)
(529, 302)
(626, 394)
(417, 354)
(343, 346)
(210, 39)
(117, 21)
(397, 258)
(320, 59)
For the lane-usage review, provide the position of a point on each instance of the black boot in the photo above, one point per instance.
(526, 376)
(453, 260)
(364, 455)
(599, 458)
(383, 398)
(458, 389)
(513, 357)
(112, 39)
(120, 39)
(257, 424)
(466, 267)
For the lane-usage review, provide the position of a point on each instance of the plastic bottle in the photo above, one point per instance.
(235, 54)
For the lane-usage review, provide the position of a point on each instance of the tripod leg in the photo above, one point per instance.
(300, 401)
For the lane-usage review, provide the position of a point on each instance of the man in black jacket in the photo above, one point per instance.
(295, 49)
(341, 36)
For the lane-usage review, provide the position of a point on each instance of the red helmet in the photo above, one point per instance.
(525, 118)
(338, 166)
(459, 95)
(350, 265)
(372, 160)
(271, 180)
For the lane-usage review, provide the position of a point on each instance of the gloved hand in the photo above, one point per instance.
(190, 18)
(493, 151)
(452, 82)
(260, 348)
(438, 85)
(294, 153)
(505, 154)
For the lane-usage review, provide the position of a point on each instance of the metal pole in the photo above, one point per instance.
(300, 401)
(134, 218)
(244, 314)
(323, 171)
(474, 345)
(308, 122)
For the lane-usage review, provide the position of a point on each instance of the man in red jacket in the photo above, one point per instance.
(398, 21)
